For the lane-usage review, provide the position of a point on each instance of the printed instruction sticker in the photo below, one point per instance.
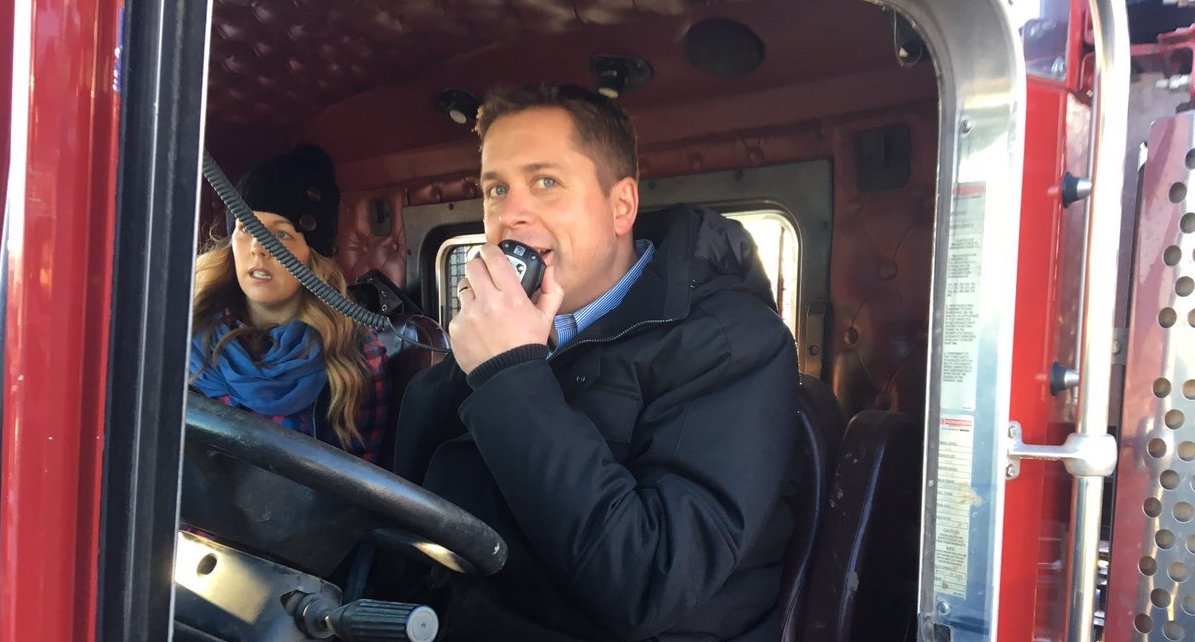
(960, 318)
(955, 498)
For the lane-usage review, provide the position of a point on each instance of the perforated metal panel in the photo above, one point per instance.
(1151, 593)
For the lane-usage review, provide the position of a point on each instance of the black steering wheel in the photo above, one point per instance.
(414, 516)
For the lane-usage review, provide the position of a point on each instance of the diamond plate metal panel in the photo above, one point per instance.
(1151, 595)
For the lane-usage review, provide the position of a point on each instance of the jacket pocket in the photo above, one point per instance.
(614, 412)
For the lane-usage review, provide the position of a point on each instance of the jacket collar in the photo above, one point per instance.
(664, 292)
(698, 252)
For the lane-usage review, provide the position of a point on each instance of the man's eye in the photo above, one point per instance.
(546, 182)
(496, 191)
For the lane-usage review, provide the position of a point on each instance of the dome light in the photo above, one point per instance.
(459, 105)
(617, 74)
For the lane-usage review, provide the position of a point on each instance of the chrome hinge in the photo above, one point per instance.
(1083, 455)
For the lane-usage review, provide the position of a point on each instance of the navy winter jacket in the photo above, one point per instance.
(638, 474)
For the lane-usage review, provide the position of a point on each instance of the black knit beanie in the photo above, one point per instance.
(300, 185)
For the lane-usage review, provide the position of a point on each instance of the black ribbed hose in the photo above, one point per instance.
(324, 292)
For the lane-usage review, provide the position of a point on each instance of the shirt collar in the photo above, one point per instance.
(569, 326)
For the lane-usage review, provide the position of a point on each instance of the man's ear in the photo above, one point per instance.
(624, 197)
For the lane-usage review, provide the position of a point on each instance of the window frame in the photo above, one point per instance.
(790, 302)
(443, 295)
(802, 192)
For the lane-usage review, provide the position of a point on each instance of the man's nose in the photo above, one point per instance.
(517, 209)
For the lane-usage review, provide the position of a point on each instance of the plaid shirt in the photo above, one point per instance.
(373, 415)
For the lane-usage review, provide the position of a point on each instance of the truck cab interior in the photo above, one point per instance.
(818, 124)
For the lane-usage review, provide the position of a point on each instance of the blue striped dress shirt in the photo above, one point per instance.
(570, 325)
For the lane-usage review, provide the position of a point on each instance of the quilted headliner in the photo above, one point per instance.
(268, 57)
(359, 77)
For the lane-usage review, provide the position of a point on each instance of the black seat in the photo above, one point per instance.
(404, 360)
(822, 425)
(406, 354)
(865, 560)
(829, 420)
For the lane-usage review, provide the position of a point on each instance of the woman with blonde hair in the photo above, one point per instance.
(261, 341)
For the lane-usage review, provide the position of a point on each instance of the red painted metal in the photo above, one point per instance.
(1030, 514)
(56, 325)
(6, 40)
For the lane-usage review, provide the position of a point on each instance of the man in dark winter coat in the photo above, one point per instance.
(631, 431)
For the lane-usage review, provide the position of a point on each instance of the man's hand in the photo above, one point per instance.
(496, 315)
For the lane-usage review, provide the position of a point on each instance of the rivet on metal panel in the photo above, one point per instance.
(943, 607)
(1120, 342)
(965, 126)
(1013, 469)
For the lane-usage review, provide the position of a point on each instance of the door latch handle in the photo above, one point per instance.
(1083, 455)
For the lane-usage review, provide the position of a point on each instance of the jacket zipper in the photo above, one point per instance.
(612, 338)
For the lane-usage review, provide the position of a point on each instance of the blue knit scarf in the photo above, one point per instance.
(285, 381)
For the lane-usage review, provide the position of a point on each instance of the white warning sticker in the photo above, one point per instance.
(960, 317)
(955, 498)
